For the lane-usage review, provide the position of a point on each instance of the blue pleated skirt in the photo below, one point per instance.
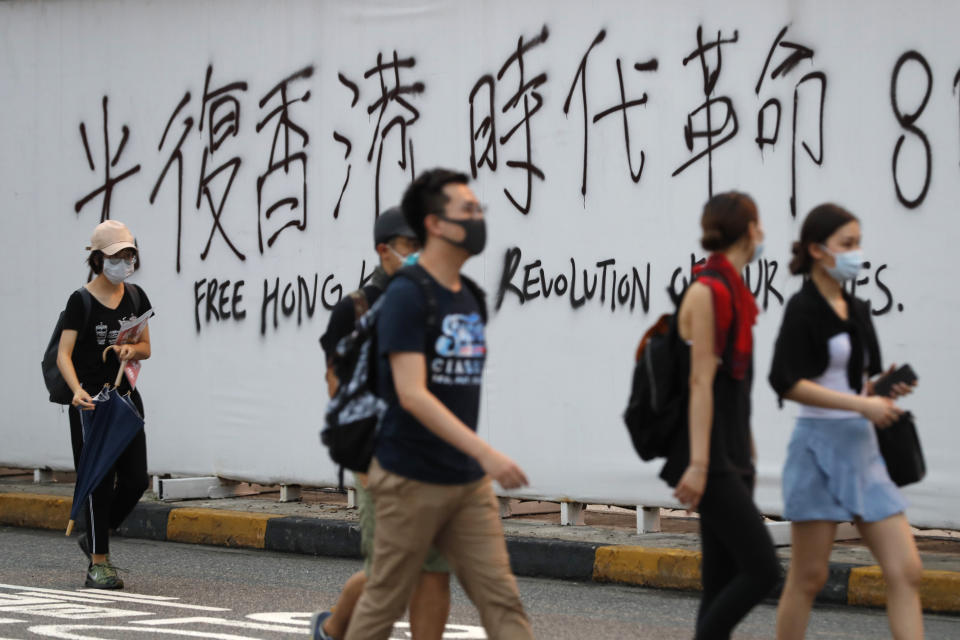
(834, 471)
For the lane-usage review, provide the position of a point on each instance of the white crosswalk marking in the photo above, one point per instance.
(223, 622)
(58, 608)
(66, 632)
(98, 615)
(82, 595)
(125, 595)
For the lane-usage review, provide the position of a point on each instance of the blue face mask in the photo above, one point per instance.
(757, 252)
(848, 265)
(411, 259)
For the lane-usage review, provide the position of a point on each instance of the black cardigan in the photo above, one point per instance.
(802, 350)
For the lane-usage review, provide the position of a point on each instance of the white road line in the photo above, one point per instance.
(63, 632)
(100, 597)
(43, 597)
(450, 632)
(73, 612)
(15, 601)
(30, 597)
(282, 617)
(127, 594)
(108, 600)
(223, 622)
(61, 593)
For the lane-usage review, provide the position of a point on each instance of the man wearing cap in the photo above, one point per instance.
(88, 358)
(394, 241)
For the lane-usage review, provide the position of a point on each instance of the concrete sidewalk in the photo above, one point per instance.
(606, 549)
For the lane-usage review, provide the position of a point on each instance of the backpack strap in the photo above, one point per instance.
(87, 299)
(360, 303)
(419, 275)
(134, 291)
(478, 293)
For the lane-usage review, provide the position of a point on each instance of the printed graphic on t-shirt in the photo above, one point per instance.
(460, 349)
(101, 330)
(107, 336)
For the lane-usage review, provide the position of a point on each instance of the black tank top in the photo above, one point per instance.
(729, 436)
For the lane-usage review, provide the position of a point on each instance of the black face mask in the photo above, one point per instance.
(475, 238)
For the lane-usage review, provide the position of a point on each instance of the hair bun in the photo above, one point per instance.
(713, 240)
(801, 261)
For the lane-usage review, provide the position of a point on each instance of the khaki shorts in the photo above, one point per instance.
(435, 563)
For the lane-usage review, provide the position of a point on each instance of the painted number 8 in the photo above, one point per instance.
(907, 122)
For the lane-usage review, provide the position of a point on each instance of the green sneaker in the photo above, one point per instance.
(103, 576)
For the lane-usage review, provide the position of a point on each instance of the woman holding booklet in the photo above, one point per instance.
(91, 353)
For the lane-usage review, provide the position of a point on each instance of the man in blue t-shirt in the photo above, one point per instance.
(431, 477)
(393, 241)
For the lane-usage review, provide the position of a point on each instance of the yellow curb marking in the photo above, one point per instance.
(939, 590)
(219, 527)
(666, 568)
(34, 510)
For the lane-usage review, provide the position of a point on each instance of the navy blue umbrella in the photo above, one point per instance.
(107, 430)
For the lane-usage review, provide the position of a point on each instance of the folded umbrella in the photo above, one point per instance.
(107, 431)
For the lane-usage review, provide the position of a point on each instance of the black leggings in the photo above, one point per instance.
(740, 566)
(116, 496)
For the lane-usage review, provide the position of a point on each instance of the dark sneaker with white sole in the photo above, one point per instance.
(316, 626)
(103, 576)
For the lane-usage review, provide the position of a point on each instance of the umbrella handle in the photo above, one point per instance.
(69, 528)
(116, 383)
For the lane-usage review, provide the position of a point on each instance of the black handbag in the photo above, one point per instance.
(900, 448)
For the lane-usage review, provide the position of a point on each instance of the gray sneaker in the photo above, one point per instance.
(103, 576)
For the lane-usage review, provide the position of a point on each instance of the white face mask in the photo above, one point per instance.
(117, 269)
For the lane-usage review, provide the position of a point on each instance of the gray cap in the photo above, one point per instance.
(391, 224)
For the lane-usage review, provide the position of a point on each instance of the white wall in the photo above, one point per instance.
(236, 401)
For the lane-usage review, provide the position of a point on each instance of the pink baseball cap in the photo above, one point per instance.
(111, 236)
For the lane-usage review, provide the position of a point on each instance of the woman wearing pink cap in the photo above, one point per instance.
(91, 324)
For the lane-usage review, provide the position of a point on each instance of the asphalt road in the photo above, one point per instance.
(186, 591)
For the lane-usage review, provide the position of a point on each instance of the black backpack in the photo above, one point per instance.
(353, 413)
(657, 408)
(56, 385)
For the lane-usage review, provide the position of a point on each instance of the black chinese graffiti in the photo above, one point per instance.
(392, 92)
(693, 130)
(277, 190)
(220, 112)
(580, 79)
(527, 100)
(110, 161)
(176, 156)
(788, 55)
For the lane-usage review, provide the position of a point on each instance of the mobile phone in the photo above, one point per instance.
(904, 374)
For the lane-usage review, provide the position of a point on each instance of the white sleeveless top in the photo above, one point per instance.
(835, 378)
